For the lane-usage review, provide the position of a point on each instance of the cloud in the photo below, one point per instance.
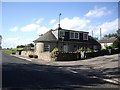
(12, 42)
(98, 12)
(39, 21)
(106, 28)
(53, 21)
(42, 30)
(74, 23)
(109, 27)
(30, 27)
(14, 29)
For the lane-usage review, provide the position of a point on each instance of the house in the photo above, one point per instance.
(106, 41)
(65, 40)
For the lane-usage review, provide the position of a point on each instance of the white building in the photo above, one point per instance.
(107, 41)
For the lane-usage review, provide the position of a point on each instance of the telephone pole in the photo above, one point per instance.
(100, 33)
(92, 33)
(59, 17)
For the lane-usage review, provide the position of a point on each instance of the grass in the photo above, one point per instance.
(10, 51)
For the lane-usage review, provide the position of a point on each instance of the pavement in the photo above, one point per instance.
(105, 67)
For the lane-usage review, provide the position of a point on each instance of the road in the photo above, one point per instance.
(19, 73)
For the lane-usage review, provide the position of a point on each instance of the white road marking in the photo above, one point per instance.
(111, 81)
(72, 71)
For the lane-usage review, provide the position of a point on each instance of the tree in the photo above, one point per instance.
(111, 35)
(116, 43)
(20, 46)
(118, 32)
(31, 45)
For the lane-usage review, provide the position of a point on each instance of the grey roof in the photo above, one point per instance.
(48, 36)
(93, 41)
(107, 40)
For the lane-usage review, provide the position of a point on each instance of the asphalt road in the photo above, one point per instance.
(18, 73)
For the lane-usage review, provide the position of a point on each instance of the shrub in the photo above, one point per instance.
(80, 50)
(31, 56)
(89, 50)
(116, 43)
(35, 56)
(13, 52)
(55, 52)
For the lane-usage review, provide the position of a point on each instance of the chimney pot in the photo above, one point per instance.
(59, 26)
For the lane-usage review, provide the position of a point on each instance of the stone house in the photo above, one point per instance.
(65, 40)
(107, 41)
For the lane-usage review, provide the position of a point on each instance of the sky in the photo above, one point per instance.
(23, 22)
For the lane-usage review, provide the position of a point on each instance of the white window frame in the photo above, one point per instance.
(61, 34)
(84, 35)
(46, 48)
(74, 33)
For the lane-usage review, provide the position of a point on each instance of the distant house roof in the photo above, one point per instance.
(107, 40)
(48, 36)
(93, 41)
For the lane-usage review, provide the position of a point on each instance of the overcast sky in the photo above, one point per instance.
(23, 22)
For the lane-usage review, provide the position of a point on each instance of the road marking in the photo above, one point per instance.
(37, 70)
(107, 80)
(111, 81)
(72, 71)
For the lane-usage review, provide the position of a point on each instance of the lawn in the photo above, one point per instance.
(10, 51)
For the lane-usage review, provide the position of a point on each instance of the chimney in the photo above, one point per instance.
(59, 27)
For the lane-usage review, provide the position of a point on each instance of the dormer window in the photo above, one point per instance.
(74, 35)
(85, 36)
(61, 34)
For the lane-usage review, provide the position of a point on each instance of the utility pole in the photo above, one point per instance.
(92, 33)
(100, 33)
(59, 17)
(58, 28)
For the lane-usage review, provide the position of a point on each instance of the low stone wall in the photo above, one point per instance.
(27, 53)
(45, 56)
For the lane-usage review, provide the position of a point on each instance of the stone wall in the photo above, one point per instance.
(27, 53)
(45, 56)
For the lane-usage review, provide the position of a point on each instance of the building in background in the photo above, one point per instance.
(107, 41)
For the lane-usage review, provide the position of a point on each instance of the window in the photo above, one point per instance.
(46, 47)
(61, 34)
(74, 35)
(85, 36)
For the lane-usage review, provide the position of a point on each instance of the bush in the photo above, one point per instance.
(35, 56)
(13, 52)
(116, 43)
(31, 56)
(80, 50)
(55, 52)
